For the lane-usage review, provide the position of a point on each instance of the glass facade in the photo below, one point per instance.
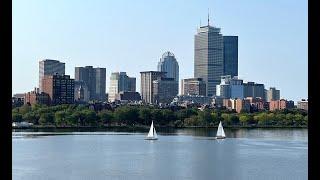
(230, 55)
(208, 57)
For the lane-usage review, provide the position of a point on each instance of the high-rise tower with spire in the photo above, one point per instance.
(208, 56)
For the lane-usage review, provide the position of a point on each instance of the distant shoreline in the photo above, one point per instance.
(147, 127)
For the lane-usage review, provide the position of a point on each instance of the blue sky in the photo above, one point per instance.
(131, 36)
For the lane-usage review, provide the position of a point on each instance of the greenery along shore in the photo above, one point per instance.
(82, 115)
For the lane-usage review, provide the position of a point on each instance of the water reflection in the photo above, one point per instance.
(273, 133)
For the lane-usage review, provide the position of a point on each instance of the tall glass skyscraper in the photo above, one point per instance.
(208, 57)
(230, 55)
(169, 64)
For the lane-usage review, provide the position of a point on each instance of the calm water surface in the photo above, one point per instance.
(178, 154)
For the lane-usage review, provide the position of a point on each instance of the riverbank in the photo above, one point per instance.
(147, 127)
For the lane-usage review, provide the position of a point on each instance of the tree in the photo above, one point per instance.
(204, 117)
(105, 116)
(31, 117)
(46, 118)
(16, 117)
(145, 115)
(60, 118)
(24, 109)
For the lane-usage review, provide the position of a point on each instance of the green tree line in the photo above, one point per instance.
(82, 115)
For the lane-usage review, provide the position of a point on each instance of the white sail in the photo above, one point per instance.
(220, 132)
(155, 133)
(150, 134)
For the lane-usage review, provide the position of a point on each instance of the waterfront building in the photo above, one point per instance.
(95, 79)
(119, 81)
(164, 90)
(147, 78)
(35, 97)
(60, 88)
(303, 104)
(280, 104)
(193, 86)
(273, 94)
(50, 67)
(230, 104)
(169, 64)
(242, 105)
(256, 103)
(230, 55)
(208, 57)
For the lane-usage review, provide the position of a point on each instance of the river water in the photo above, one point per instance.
(256, 154)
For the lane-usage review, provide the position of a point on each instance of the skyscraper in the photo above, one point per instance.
(119, 81)
(230, 55)
(147, 78)
(169, 64)
(208, 57)
(95, 79)
(50, 67)
(100, 93)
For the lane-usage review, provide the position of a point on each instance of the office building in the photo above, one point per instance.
(252, 89)
(273, 94)
(147, 78)
(164, 90)
(169, 64)
(119, 81)
(50, 67)
(193, 86)
(208, 57)
(230, 55)
(230, 87)
(95, 79)
(60, 88)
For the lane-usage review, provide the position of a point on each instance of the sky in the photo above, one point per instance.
(131, 36)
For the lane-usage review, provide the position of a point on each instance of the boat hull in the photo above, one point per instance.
(220, 137)
(150, 138)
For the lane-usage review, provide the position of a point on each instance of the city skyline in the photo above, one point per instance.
(253, 56)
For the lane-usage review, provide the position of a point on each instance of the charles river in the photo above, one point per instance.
(178, 154)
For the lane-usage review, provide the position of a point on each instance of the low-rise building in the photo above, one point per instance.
(192, 99)
(193, 86)
(35, 97)
(242, 105)
(128, 96)
(303, 104)
(280, 104)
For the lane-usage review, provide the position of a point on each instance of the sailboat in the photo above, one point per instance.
(152, 135)
(220, 132)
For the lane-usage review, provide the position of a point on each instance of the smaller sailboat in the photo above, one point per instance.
(152, 135)
(220, 132)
